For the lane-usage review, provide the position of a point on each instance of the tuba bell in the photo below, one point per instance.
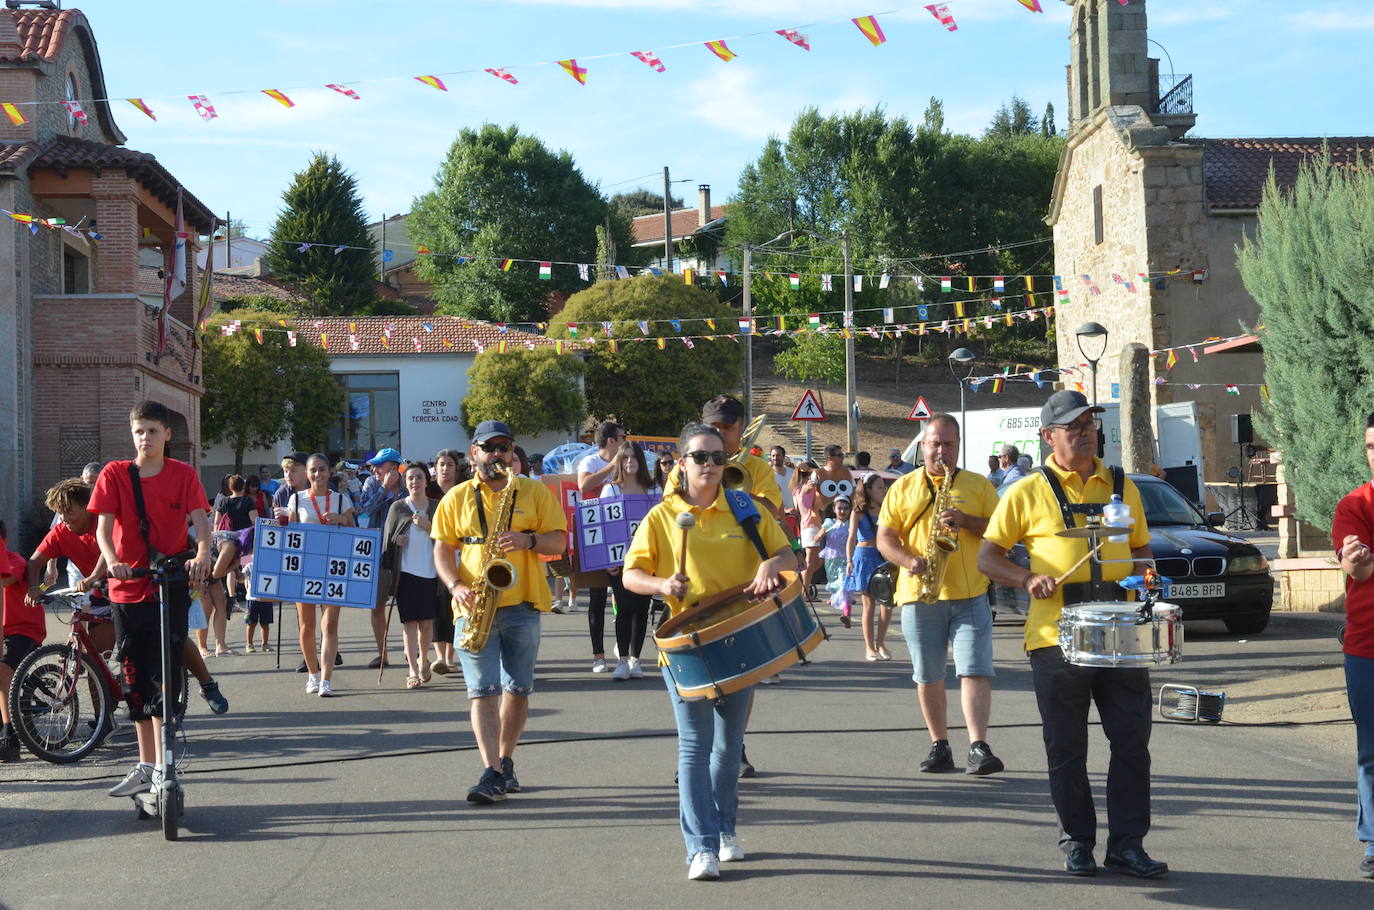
(734, 477)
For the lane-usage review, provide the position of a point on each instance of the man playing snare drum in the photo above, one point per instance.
(1074, 482)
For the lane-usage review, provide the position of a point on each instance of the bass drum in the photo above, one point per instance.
(728, 642)
(1111, 634)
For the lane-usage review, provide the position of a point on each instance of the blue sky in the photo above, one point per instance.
(1261, 68)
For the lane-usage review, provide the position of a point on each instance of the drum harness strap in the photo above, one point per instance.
(1096, 588)
(747, 514)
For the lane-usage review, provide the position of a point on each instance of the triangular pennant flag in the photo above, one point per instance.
(871, 29)
(138, 103)
(941, 12)
(501, 74)
(203, 107)
(432, 82)
(650, 58)
(795, 37)
(710, 324)
(278, 96)
(1034, 5)
(74, 108)
(577, 72)
(343, 90)
(1173, 359)
(720, 50)
(16, 116)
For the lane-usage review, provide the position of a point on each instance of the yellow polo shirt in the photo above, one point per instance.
(1030, 514)
(972, 494)
(762, 481)
(719, 555)
(536, 511)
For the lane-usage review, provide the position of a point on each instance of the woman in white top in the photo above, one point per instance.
(318, 505)
(411, 555)
(448, 473)
(631, 476)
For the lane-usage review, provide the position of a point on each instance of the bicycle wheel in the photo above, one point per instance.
(59, 705)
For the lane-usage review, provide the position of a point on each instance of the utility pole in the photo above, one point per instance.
(749, 337)
(667, 225)
(381, 256)
(228, 239)
(851, 424)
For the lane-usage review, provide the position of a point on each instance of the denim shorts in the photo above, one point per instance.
(506, 663)
(929, 629)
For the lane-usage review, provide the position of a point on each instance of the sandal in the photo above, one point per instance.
(426, 677)
(412, 682)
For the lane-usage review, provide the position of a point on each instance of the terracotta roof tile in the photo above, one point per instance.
(1235, 170)
(463, 334)
(66, 152)
(41, 32)
(17, 154)
(649, 228)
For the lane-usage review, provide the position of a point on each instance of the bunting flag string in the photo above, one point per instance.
(1170, 354)
(203, 107)
(871, 29)
(941, 12)
(344, 90)
(278, 96)
(650, 58)
(432, 82)
(720, 50)
(138, 103)
(577, 72)
(500, 73)
(12, 111)
(795, 37)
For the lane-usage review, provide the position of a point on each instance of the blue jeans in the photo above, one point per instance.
(507, 660)
(710, 737)
(1359, 688)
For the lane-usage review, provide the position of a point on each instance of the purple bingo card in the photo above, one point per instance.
(605, 526)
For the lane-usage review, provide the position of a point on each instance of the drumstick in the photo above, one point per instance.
(1086, 556)
(686, 521)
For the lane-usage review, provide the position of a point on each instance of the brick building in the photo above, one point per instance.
(1135, 193)
(79, 341)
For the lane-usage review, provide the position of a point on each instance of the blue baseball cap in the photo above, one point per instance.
(490, 429)
(386, 455)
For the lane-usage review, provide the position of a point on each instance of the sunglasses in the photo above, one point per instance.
(502, 447)
(701, 457)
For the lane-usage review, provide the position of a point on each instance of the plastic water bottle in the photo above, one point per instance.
(1116, 514)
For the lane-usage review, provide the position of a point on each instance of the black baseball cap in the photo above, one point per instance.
(491, 429)
(1064, 407)
(722, 409)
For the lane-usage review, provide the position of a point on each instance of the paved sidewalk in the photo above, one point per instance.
(358, 801)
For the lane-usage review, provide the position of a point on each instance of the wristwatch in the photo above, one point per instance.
(534, 540)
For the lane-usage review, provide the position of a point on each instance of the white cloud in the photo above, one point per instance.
(1332, 20)
(1191, 15)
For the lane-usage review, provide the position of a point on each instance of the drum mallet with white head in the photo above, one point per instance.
(686, 521)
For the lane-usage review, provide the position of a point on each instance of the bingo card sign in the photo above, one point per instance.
(605, 526)
(316, 564)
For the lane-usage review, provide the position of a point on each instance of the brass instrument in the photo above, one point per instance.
(734, 477)
(939, 545)
(496, 574)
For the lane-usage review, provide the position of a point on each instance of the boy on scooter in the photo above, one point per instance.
(171, 491)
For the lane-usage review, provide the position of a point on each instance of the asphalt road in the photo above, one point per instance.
(296, 801)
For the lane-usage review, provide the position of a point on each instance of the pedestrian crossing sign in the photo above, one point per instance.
(809, 408)
(920, 410)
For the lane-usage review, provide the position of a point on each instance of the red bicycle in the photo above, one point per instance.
(63, 696)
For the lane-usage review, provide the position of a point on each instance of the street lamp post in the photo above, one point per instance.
(1091, 331)
(964, 358)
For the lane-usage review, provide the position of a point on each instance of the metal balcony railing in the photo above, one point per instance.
(1175, 94)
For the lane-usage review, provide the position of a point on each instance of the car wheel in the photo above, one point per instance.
(1246, 625)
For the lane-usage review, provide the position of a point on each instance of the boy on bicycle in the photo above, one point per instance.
(171, 491)
(25, 627)
(73, 537)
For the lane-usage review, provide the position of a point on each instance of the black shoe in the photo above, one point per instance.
(338, 660)
(9, 748)
(844, 620)
(940, 758)
(213, 697)
(1135, 861)
(1367, 866)
(373, 664)
(508, 776)
(490, 789)
(1080, 862)
(302, 668)
(745, 769)
(981, 760)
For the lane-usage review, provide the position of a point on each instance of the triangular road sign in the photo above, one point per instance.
(920, 410)
(809, 408)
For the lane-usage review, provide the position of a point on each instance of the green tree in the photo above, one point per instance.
(500, 194)
(1047, 127)
(1013, 118)
(322, 207)
(531, 390)
(812, 357)
(1310, 268)
(257, 394)
(649, 390)
(642, 202)
(933, 121)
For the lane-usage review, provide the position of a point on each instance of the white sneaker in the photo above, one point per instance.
(136, 781)
(770, 681)
(621, 671)
(326, 690)
(599, 665)
(312, 684)
(704, 866)
(730, 850)
(635, 671)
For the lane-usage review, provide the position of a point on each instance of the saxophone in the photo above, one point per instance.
(939, 545)
(496, 574)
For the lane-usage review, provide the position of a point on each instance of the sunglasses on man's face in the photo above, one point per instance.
(701, 456)
(502, 447)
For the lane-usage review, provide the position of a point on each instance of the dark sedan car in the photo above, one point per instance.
(1215, 575)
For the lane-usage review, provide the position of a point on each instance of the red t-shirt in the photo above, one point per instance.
(1355, 515)
(21, 618)
(169, 496)
(81, 549)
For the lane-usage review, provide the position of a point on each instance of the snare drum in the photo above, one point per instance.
(1110, 634)
(728, 642)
